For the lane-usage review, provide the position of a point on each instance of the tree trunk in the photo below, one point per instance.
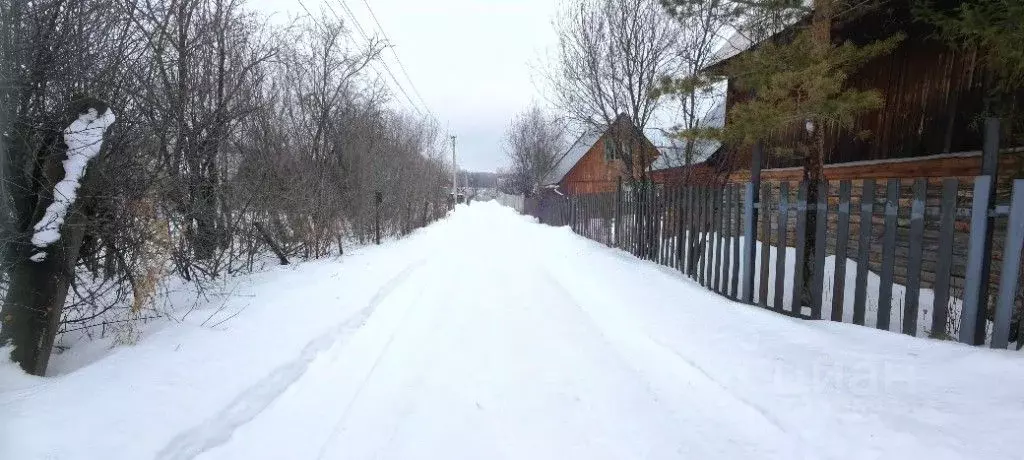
(34, 303)
(276, 248)
(814, 154)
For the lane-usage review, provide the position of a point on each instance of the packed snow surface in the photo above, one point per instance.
(489, 336)
(84, 138)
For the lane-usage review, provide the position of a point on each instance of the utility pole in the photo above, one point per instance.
(455, 176)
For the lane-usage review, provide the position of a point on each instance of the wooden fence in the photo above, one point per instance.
(942, 257)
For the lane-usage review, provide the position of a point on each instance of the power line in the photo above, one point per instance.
(395, 53)
(362, 33)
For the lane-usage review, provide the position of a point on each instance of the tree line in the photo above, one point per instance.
(236, 137)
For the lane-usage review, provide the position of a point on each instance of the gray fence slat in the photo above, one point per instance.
(944, 266)
(680, 228)
(677, 208)
(1010, 272)
(692, 248)
(630, 222)
(638, 223)
(590, 217)
(634, 221)
(584, 214)
(656, 229)
(680, 224)
(736, 232)
(818, 276)
(709, 244)
(892, 201)
(910, 308)
(666, 228)
(842, 242)
(976, 257)
(654, 238)
(595, 215)
(719, 215)
(638, 234)
(766, 219)
(709, 238)
(749, 240)
(674, 228)
(690, 219)
(581, 216)
(726, 228)
(702, 253)
(780, 250)
(627, 219)
(867, 204)
(796, 303)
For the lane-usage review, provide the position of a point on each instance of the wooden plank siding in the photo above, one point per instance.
(593, 174)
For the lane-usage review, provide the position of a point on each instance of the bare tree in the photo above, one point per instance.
(533, 142)
(702, 28)
(235, 138)
(610, 57)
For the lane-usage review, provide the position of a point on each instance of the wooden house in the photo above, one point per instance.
(929, 125)
(596, 160)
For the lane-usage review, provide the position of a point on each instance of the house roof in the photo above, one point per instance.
(672, 155)
(572, 156)
(742, 38)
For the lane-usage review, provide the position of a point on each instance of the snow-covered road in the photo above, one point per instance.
(489, 336)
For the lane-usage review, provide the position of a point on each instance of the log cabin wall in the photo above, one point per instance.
(933, 96)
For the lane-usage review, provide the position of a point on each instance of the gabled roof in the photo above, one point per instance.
(741, 39)
(672, 155)
(572, 156)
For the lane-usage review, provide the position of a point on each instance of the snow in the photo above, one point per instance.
(487, 335)
(83, 137)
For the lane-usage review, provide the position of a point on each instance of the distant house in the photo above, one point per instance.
(596, 160)
(928, 126)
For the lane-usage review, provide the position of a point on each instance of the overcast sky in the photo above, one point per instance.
(469, 60)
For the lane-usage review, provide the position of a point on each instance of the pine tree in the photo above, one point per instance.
(796, 75)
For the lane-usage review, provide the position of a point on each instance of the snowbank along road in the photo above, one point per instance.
(489, 336)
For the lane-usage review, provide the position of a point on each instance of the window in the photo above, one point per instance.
(610, 152)
(627, 152)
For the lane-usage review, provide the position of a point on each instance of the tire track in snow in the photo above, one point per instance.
(655, 347)
(219, 428)
(429, 291)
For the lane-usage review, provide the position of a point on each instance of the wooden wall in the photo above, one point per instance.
(933, 97)
(592, 174)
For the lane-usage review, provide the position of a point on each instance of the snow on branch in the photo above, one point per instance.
(83, 138)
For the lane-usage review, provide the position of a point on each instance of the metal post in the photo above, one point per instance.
(750, 223)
